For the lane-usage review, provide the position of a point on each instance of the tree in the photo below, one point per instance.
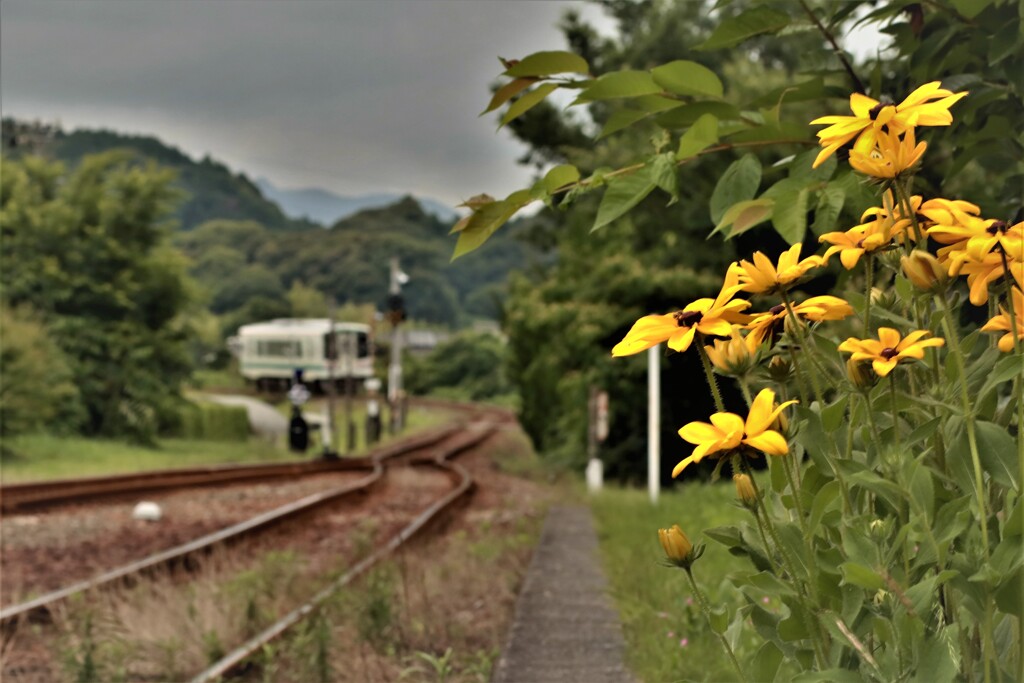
(87, 250)
(37, 389)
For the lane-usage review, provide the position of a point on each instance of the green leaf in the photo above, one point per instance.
(663, 173)
(684, 115)
(619, 84)
(485, 220)
(560, 176)
(938, 662)
(766, 662)
(790, 216)
(826, 497)
(832, 415)
(701, 135)
(971, 8)
(622, 195)
(547, 63)
(750, 23)
(998, 453)
(684, 77)
(624, 118)
(829, 676)
(922, 490)
(739, 183)
(527, 102)
(718, 618)
(729, 536)
(743, 216)
(860, 575)
(1005, 369)
(507, 92)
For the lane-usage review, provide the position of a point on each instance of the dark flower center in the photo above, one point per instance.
(877, 109)
(775, 310)
(997, 227)
(888, 353)
(688, 318)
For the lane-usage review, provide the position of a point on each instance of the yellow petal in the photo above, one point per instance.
(769, 442)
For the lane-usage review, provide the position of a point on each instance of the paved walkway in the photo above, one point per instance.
(565, 629)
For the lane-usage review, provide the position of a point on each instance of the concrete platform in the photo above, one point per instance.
(565, 628)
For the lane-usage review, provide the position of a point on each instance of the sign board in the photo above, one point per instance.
(602, 416)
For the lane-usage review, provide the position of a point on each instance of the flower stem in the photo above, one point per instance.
(869, 280)
(965, 400)
(895, 412)
(709, 373)
(804, 346)
(707, 615)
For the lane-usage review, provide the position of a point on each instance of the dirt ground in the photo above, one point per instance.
(454, 589)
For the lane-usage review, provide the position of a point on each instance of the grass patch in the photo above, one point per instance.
(666, 634)
(41, 456)
(32, 457)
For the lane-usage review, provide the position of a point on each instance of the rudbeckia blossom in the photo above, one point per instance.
(707, 316)
(889, 350)
(924, 271)
(891, 155)
(762, 276)
(927, 106)
(769, 325)
(973, 239)
(728, 431)
(981, 270)
(1002, 322)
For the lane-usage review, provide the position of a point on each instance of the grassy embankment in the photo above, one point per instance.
(42, 456)
(667, 637)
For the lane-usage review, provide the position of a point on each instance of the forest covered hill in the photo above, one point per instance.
(253, 261)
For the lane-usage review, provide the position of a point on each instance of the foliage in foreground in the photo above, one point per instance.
(889, 524)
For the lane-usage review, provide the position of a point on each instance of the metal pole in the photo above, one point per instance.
(654, 421)
(395, 367)
(331, 389)
(349, 356)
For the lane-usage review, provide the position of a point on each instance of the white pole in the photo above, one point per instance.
(654, 421)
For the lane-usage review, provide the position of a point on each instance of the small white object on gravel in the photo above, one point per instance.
(147, 510)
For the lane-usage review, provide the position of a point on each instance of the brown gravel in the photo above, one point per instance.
(46, 551)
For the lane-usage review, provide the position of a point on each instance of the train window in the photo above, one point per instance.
(282, 348)
(362, 345)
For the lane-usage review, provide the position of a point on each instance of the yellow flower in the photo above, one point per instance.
(712, 317)
(924, 271)
(888, 225)
(734, 356)
(927, 106)
(745, 489)
(1002, 322)
(762, 276)
(769, 325)
(676, 545)
(727, 431)
(889, 349)
(980, 266)
(890, 156)
(948, 211)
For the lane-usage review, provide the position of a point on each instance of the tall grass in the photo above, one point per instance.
(667, 636)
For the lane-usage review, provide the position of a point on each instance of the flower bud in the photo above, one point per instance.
(745, 490)
(860, 374)
(925, 271)
(677, 546)
(779, 369)
(732, 357)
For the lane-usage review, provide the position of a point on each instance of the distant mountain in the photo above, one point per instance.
(211, 190)
(325, 207)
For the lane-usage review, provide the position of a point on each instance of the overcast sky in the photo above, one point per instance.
(351, 96)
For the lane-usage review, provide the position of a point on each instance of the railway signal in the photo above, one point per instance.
(396, 314)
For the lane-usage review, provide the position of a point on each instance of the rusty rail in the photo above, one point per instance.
(16, 498)
(39, 608)
(231, 662)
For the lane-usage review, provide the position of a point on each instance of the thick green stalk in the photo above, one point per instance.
(706, 609)
(709, 373)
(869, 283)
(804, 345)
(965, 400)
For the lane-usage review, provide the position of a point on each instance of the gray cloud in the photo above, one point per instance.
(352, 96)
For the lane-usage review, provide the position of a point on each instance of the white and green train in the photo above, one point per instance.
(270, 352)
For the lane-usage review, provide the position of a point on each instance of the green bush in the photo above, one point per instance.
(212, 422)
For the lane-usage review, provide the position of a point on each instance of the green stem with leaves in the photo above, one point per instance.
(965, 401)
(706, 609)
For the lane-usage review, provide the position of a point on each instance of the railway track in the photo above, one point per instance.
(421, 449)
